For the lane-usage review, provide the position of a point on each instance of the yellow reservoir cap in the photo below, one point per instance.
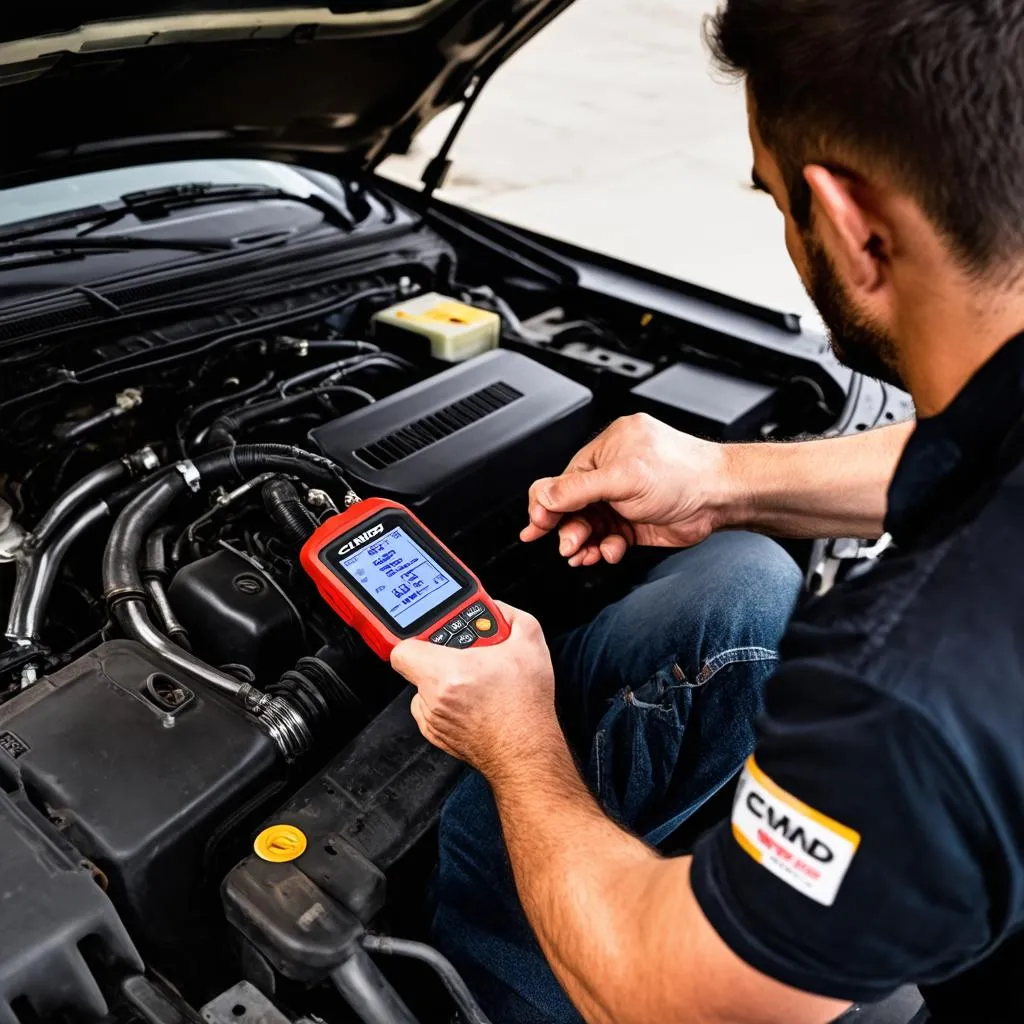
(280, 843)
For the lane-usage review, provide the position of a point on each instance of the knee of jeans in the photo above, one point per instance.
(757, 587)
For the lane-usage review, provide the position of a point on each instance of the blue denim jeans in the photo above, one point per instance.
(657, 697)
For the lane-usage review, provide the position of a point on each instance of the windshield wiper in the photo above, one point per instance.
(30, 252)
(150, 204)
(112, 243)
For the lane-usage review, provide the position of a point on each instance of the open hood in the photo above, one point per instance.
(131, 81)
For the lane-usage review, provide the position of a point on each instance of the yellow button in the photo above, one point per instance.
(280, 843)
(483, 625)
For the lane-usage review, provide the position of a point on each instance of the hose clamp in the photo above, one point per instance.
(189, 473)
(148, 459)
(286, 727)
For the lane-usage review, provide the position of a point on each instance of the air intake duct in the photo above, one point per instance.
(474, 435)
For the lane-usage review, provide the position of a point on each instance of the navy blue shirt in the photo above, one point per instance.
(877, 837)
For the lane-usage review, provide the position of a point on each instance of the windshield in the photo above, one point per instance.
(27, 202)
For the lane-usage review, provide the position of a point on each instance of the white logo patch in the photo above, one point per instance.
(796, 843)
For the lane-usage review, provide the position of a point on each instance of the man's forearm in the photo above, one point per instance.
(585, 884)
(835, 487)
(620, 925)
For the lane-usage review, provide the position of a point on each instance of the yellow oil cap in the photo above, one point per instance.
(280, 843)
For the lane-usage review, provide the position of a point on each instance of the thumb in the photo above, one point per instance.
(420, 662)
(575, 490)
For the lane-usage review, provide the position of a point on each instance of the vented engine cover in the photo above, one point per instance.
(464, 440)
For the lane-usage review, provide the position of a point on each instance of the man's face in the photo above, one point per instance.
(857, 341)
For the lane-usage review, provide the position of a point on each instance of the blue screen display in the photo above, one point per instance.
(400, 576)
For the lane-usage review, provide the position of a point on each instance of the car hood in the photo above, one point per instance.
(121, 82)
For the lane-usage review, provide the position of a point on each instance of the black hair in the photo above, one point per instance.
(930, 90)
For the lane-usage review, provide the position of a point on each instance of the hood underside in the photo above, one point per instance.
(140, 82)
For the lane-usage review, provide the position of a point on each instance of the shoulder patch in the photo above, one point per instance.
(803, 847)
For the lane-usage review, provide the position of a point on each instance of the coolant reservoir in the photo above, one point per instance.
(454, 330)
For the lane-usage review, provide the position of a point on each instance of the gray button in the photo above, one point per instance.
(464, 639)
(440, 637)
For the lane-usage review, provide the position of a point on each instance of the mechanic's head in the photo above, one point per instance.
(891, 135)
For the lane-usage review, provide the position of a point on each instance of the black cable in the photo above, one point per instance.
(223, 429)
(190, 415)
(342, 367)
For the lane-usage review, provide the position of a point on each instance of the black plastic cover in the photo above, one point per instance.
(707, 402)
(381, 794)
(278, 908)
(234, 616)
(360, 814)
(480, 432)
(139, 790)
(51, 909)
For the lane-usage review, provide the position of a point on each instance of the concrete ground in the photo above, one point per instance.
(610, 130)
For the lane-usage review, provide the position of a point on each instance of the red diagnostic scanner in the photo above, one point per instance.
(391, 579)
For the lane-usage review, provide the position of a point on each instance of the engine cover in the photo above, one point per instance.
(490, 427)
(140, 769)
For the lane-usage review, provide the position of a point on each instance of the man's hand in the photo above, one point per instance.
(639, 482)
(487, 705)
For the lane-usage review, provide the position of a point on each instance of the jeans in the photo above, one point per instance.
(658, 698)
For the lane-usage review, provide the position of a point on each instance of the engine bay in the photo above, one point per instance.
(172, 685)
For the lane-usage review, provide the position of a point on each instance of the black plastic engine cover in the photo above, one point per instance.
(470, 436)
(139, 767)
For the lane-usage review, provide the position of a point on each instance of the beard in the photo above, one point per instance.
(859, 344)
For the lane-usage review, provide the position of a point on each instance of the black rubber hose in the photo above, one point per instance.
(457, 988)
(121, 577)
(93, 485)
(361, 984)
(285, 507)
(324, 700)
(154, 557)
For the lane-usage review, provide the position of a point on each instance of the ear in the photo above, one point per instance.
(856, 239)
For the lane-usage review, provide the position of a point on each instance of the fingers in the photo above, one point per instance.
(573, 534)
(614, 548)
(573, 491)
(419, 713)
(552, 497)
(605, 537)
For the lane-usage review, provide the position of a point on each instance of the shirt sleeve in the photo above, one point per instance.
(858, 858)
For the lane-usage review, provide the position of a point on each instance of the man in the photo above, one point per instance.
(877, 836)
